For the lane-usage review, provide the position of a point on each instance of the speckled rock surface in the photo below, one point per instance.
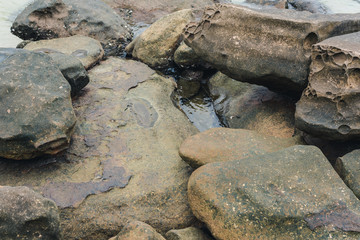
(190, 233)
(348, 167)
(290, 194)
(138, 231)
(225, 144)
(88, 50)
(123, 163)
(184, 56)
(150, 11)
(36, 115)
(276, 55)
(25, 214)
(157, 44)
(45, 19)
(328, 107)
(253, 107)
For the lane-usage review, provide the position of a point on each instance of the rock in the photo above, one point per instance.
(157, 44)
(46, 19)
(138, 231)
(88, 50)
(184, 56)
(36, 117)
(190, 233)
(72, 69)
(325, 6)
(123, 163)
(25, 214)
(225, 144)
(149, 12)
(268, 3)
(328, 106)
(290, 194)
(348, 167)
(247, 52)
(253, 107)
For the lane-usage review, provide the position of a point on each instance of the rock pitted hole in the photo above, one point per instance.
(317, 64)
(311, 39)
(339, 59)
(354, 78)
(344, 129)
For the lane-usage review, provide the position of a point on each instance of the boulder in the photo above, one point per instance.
(225, 144)
(293, 193)
(275, 53)
(157, 44)
(348, 167)
(253, 107)
(46, 19)
(184, 56)
(72, 69)
(329, 107)
(325, 6)
(37, 116)
(190, 233)
(88, 50)
(25, 214)
(148, 12)
(123, 163)
(136, 230)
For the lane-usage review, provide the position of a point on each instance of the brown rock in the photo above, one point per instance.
(329, 106)
(224, 144)
(275, 53)
(138, 231)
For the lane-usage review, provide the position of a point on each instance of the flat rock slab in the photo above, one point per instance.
(328, 107)
(46, 19)
(123, 163)
(253, 107)
(348, 167)
(88, 50)
(290, 194)
(225, 144)
(26, 214)
(150, 11)
(275, 53)
(36, 115)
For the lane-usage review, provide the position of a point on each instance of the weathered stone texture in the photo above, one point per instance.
(329, 107)
(270, 47)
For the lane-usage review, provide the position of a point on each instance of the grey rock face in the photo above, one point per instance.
(325, 6)
(25, 214)
(329, 105)
(45, 19)
(290, 194)
(270, 47)
(36, 116)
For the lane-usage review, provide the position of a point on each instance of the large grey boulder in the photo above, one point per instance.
(123, 162)
(290, 194)
(329, 107)
(275, 53)
(45, 19)
(36, 116)
(253, 107)
(25, 214)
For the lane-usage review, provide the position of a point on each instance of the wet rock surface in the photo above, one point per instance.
(328, 107)
(157, 44)
(37, 117)
(224, 144)
(253, 107)
(25, 214)
(290, 194)
(138, 231)
(88, 50)
(257, 53)
(325, 6)
(348, 167)
(149, 12)
(123, 157)
(46, 19)
(190, 233)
